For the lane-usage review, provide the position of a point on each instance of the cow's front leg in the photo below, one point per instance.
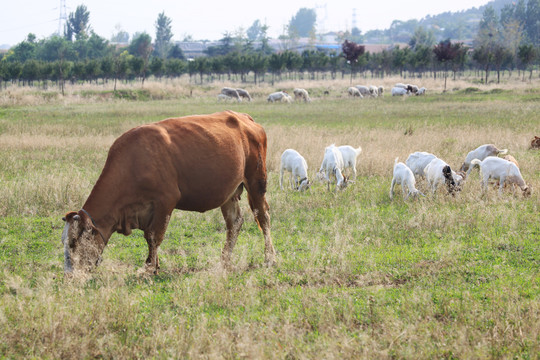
(154, 237)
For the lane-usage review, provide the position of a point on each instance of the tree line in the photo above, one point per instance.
(80, 55)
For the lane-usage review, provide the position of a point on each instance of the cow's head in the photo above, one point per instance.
(83, 243)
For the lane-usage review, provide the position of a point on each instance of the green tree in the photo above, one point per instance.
(421, 37)
(303, 23)
(176, 53)
(78, 24)
(163, 35)
(532, 22)
(141, 48)
(255, 31)
(526, 55)
(120, 36)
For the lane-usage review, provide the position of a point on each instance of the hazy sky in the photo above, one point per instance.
(211, 19)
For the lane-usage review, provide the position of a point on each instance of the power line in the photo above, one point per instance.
(62, 17)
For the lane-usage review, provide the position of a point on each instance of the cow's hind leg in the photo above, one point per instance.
(257, 202)
(233, 220)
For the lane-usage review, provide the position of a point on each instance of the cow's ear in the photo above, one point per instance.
(71, 216)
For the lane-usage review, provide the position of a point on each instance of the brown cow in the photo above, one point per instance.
(194, 163)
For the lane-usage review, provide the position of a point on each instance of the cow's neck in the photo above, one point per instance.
(99, 209)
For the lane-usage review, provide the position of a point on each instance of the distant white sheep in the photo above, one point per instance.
(364, 90)
(439, 172)
(403, 176)
(301, 94)
(412, 88)
(223, 97)
(292, 161)
(244, 94)
(332, 166)
(421, 91)
(374, 91)
(504, 171)
(418, 161)
(481, 153)
(353, 91)
(399, 91)
(230, 92)
(279, 96)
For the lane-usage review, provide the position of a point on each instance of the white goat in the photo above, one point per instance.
(438, 172)
(399, 91)
(244, 94)
(503, 170)
(332, 165)
(364, 90)
(353, 91)
(421, 91)
(349, 154)
(403, 176)
(481, 153)
(279, 96)
(301, 94)
(292, 161)
(417, 162)
(374, 91)
(412, 88)
(231, 93)
(223, 97)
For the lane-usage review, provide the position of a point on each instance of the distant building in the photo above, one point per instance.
(327, 43)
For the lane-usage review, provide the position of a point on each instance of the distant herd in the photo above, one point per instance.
(419, 165)
(359, 91)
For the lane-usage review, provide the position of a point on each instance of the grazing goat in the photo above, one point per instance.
(481, 153)
(295, 163)
(503, 170)
(349, 155)
(279, 96)
(438, 171)
(412, 88)
(332, 165)
(301, 94)
(535, 143)
(374, 91)
(399, 91)
(353, 91)
(230, 92)
(403, 176)
(418, 161)
(364, 90)
(380, 89)
(244, 94)
(511, 159)
(421, 91)
(223, 97)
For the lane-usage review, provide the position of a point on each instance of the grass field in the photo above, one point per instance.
(357, 275)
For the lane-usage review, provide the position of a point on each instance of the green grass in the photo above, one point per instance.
(357, 275)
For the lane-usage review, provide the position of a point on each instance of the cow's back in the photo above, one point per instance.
(197, 161)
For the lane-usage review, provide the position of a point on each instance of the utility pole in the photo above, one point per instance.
(62, 19)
